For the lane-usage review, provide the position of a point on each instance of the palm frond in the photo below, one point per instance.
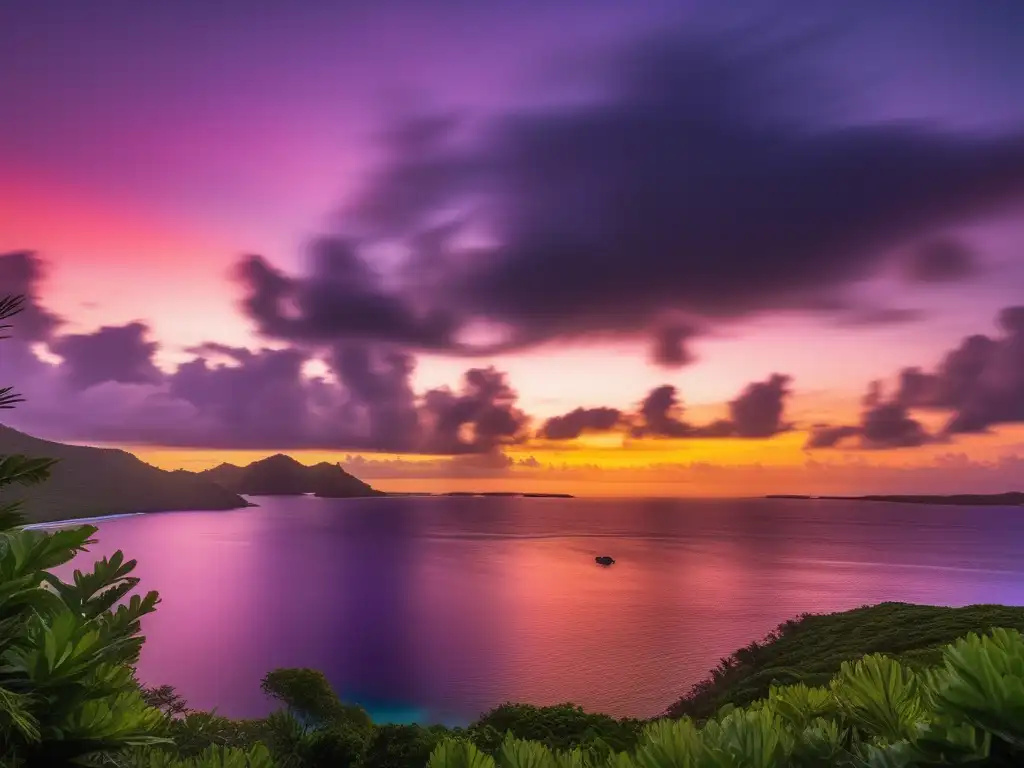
(9, 307)
(24, 470)
(16, 715)
(11, 516)
(8, 397)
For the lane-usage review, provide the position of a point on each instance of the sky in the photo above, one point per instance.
(647, 248)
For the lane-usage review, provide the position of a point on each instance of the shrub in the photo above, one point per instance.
(67, 650)
(875, 712)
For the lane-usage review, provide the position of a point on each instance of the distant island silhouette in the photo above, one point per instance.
(90, 482)
(508, 494)
(281, 475)
(1009, 499)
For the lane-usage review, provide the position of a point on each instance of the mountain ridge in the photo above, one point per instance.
(281, 475)
(88, 481)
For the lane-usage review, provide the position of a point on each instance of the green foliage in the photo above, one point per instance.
(812, 649)
(460, 754)
(166, 699)
(878, 695)
(195, 732)
(67, 686)
(982, 684)
(398, 746)
(564, 727)
(257, 756)
(66, 681)
(308, 694)
(876, 712)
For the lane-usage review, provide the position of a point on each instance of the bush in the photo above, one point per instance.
(401, 746)
(875, 712)
(563, 727)
(68, 692)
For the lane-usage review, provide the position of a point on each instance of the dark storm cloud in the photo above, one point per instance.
(941, 261)
(828, 436)
(265, 401)
(107, 388)
(478, 419)
(757, 412)
(661, 414)
(574, 423)
(884, 423)
(981, 380)
(881, 316)
(344, 301)
(113, 353)
(697, 185)
(20, 275)
(381, 394)
(670, 345)
(980, 383)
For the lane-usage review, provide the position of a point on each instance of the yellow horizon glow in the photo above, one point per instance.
(690, 468)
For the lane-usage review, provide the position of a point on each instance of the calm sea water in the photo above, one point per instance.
(435, 609)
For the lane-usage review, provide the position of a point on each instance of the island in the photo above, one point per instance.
(94, 482)
(1009, 499)
(281, 475)
(484, 494)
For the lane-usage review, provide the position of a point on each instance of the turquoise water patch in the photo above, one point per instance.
(396, 715)
(391, 713)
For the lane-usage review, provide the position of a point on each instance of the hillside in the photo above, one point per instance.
(812, 648)
(88, 482)
(281, 475)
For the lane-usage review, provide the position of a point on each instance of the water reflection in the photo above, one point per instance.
(436, 609)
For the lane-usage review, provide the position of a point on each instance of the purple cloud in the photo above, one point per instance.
(981, 380)
(884, 423)
(20, 275)
(757, 412)
(674, 194)
(943, 260)
(119, 354)
(579, 420)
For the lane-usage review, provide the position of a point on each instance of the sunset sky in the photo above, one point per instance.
(603, 247)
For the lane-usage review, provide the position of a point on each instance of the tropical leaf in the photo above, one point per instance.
(11, 515)
(750, 738)
(9, 307)
(982, 683)
(670, 744)
(24, 470)
(16, 715)
(212, 757)
(822, 742)
(518, 753)
(880, 696)
(453, 753)
(8, 397)
(799, 704)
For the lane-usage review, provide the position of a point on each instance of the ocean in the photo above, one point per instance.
(434, 609)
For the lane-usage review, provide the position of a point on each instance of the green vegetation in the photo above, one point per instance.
(811, 649)
(806, 696)
(90, 482)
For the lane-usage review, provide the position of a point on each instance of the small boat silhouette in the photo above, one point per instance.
(604, 560)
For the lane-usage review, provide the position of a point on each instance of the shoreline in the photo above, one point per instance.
(82, 520)
(1008, 499)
